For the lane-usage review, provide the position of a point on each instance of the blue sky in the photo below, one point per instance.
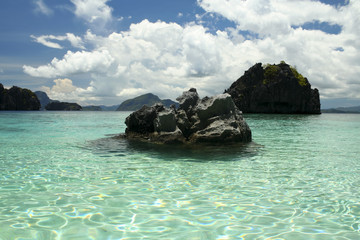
(105, 51)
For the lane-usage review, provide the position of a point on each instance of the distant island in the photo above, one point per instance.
(63, 106)
(20, 99)
(55, 105)
(355, 109)
(276, 88)
(148, 99)
(91, 108)
(43, 98)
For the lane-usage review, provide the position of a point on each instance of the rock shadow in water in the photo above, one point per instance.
(122, 148)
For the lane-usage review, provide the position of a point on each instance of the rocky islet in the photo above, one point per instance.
(211, 119)
(277, 88)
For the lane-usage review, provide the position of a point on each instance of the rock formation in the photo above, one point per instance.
(43, 98)
(63, 106)
(274, 89)
(214, 119)
(17, 98)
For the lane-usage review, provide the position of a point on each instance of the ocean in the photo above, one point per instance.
(63, 175)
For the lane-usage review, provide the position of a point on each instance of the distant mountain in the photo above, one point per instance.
(109, 108)
(146, 99)
(43, 98)
(355, 109)
(55, 105)
(92, 108)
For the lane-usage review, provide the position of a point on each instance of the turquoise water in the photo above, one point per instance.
(63, 176)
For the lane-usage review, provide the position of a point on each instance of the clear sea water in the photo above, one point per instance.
(63, 176)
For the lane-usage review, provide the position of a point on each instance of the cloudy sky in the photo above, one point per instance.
(106, 51)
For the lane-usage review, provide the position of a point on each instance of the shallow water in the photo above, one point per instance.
(64, 176)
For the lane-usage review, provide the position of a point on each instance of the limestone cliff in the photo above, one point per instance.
(17, 98)
(274, 89)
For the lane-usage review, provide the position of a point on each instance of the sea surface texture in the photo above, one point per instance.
(64, 176)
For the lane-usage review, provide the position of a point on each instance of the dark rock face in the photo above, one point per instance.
(43, 98)
(17, 98)
(274, 89)
(63, 106)
(214, 119)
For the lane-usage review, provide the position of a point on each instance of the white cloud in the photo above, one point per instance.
(130, 92)
(95, 12)
(75, 41)
(73, 63)
(63, 86)
(167, 58)
(272, 17)
(44, 40)
(42, 8)
(64, 90)
(48, 40)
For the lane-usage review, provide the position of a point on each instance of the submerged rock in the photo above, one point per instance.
(211, 119)
(274, 89)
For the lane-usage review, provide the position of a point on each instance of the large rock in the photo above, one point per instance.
(17, 98)
(274, 89)
(214, 119)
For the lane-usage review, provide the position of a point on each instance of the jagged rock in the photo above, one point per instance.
(274, 89)
(17, 98)
(214, 119)
(188, 100)
(63, 106)
(165, 121)
(217, 118)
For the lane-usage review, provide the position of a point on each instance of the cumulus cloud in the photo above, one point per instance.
(272, 17)
(63, 86)
(64, 90)
(168, 58)
(48, 40)
(95, 12)
(41, 7)
(73, 63)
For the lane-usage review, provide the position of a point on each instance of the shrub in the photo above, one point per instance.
(301, 80)
(270, 73)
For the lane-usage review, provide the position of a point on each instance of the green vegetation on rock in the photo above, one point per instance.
(302, 81)
(270, 73)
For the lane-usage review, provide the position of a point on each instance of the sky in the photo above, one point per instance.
(106, 51)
